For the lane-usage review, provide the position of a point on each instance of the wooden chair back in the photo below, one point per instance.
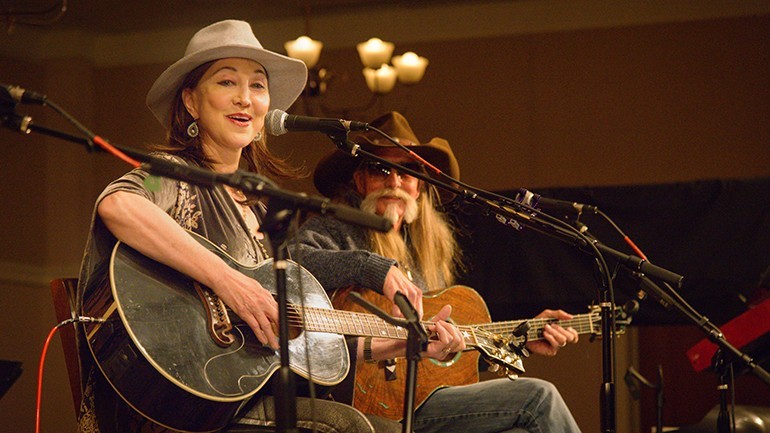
(63, 291)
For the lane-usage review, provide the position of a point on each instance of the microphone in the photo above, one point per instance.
(16, 94)
(15, 121)
(550, 204)
(278, 122)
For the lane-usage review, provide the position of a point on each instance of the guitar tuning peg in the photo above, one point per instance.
(512, 376)
(493, 368)
(521, 349)
(521, 330)
(519, 365)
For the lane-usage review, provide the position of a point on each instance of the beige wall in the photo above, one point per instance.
(622, 104)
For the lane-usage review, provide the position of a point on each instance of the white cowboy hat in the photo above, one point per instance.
(224, 39)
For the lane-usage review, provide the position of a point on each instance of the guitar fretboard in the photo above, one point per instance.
(369, 325)
(353, 323)
(344, 322)
(582, 323)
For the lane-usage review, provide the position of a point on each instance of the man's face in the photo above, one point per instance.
(388, 192)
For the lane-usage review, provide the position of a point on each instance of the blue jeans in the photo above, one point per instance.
(498, 405)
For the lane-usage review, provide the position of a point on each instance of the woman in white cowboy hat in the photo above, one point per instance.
(213, 103)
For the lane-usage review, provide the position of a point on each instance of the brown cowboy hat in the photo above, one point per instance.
(336, 168)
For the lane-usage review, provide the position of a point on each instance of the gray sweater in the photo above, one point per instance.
(336, 253)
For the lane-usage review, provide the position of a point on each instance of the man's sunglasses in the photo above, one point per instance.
(378, 169)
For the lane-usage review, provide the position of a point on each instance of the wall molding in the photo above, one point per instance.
(412, 25)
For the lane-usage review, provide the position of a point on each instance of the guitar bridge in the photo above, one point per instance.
(218, 322)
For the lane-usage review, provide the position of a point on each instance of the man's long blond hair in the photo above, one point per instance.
(434, 248)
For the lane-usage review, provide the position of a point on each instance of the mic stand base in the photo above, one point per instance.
(725, 417)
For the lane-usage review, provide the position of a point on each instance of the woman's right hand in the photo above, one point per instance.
(253, 303)
(396, 281)
(145, 227)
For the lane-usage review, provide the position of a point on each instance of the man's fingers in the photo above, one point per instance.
(444, 313)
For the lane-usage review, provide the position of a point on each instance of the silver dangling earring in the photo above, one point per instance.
(258, 136)
(192, 129)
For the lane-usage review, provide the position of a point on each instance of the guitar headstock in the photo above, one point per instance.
(622, 318)
(499, 353)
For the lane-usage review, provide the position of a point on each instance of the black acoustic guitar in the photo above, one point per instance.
(175, 353)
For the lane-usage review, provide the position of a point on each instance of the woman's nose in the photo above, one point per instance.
(242, 97)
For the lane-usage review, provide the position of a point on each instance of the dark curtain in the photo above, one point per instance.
(715, 233)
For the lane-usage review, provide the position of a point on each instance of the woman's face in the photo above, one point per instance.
(229, 103)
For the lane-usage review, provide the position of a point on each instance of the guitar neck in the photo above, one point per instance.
(582, 323)
(345, 322)
(355, 324)
(369, 325)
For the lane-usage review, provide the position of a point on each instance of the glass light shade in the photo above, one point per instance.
(410, 67)
(382, 80)
(375, 52)
(305, 49)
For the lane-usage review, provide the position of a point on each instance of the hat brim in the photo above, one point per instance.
(286, 77)
(336, 169)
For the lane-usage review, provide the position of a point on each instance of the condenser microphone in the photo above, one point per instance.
(550, 204)
(278, 122)
(16, 94)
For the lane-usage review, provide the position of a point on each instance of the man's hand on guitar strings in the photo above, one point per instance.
(554, 335)
(447, 338)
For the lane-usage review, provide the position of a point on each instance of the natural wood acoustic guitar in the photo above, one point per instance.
(379, 387)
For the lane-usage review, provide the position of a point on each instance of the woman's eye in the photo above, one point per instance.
(258, 85)
(226, 82)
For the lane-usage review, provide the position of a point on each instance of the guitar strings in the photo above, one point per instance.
(352, 323)
(361, 324)
(582, 324)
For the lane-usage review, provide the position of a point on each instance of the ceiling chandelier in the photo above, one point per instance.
(376, 56)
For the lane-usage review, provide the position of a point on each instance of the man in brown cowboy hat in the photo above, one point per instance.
(419, 255)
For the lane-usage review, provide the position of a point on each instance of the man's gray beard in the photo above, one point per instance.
(369, 204)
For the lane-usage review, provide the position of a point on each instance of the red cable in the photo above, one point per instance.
(40, 376)
(634, 247)
(113, 150)
(423, 161)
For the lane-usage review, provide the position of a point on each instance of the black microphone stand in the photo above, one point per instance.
(417, 340)
(276, 224)
(724, 357)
